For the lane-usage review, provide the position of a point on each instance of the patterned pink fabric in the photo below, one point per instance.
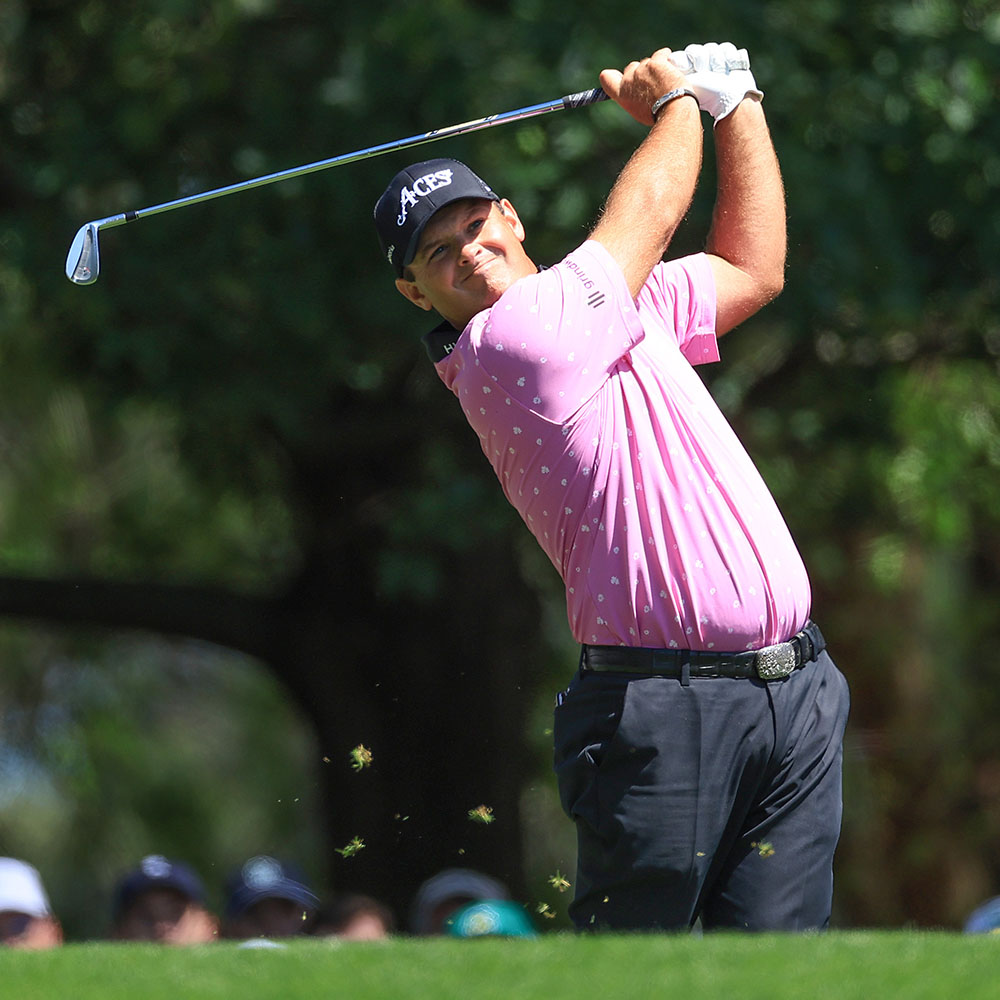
(619, 461)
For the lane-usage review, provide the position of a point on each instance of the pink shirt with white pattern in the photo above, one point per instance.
(619, 461)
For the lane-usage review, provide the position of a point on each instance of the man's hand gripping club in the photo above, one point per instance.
(719, 75)
(643, 82)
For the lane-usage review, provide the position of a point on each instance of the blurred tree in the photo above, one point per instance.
(112, 750)
(233, 435)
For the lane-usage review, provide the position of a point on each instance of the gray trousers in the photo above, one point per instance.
(720, 799)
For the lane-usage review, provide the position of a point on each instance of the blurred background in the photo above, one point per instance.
(244, 529)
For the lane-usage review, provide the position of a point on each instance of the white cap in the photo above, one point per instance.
(21, 889)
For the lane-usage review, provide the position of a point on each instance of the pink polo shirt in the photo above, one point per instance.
(609, 445)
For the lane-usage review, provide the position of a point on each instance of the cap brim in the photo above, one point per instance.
(242, 901)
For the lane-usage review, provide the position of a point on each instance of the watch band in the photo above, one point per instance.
(668, 97)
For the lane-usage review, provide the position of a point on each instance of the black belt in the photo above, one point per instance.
(769, 663)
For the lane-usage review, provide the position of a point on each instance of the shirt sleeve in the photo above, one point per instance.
(554, 338)
(681, 293)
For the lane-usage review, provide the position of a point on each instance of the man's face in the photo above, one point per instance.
(444, 909)
(270, 918)
(167, 916)
(20, 930)
(469, 254)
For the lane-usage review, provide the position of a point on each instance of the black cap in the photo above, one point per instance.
(157, 872)
(264, 877)
(414, 195)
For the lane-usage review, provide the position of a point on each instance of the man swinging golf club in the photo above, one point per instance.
(698, 747)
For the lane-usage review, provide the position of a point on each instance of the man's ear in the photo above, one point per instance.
(513, 220)
(412, 291)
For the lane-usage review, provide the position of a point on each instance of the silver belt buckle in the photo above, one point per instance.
(774, 662)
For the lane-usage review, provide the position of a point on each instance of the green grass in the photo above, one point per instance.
(736, 967)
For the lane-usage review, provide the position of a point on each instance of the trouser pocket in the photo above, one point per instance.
(586, 723)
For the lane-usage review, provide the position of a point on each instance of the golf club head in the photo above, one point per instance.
(83, 262)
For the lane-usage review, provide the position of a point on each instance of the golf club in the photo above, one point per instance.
(83, 262)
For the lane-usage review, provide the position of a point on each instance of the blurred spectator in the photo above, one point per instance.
(353, 917)
(26, 918)
(267, 898)
(985, 919)
(162, 901)
(442, 894)
(490, 918)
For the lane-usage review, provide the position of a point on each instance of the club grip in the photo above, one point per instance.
(584, 98)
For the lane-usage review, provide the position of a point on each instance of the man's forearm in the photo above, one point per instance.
(653, 192)
(748, 225)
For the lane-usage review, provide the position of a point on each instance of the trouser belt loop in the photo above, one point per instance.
(811, 641)
(806, 647)
(686, 672)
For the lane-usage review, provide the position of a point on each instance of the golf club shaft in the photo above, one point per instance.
(569, 101)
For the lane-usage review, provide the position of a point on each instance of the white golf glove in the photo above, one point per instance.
(719, 74)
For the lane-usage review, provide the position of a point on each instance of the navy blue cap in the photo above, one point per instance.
(412, 198)
(985, 919)
(264, 877)
(157, 872)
